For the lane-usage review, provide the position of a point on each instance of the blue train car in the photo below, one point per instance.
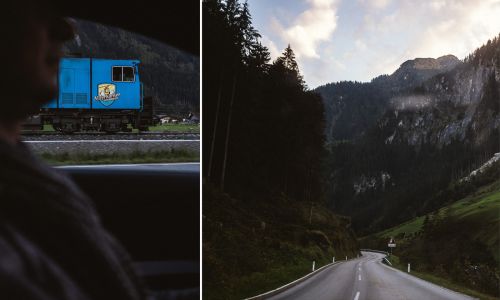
(99, 95)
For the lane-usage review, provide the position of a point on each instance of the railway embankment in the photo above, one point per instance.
(111, 146)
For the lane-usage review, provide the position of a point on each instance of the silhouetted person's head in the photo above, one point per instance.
(32, 34)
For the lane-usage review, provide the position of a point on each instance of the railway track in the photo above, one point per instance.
(149, 135)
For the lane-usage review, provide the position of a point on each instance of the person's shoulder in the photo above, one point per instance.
(28, 273)
(26, 177)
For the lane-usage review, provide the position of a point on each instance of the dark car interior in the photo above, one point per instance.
(154, 213)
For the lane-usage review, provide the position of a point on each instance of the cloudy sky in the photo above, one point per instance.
(359, 39)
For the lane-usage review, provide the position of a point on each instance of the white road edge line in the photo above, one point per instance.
(357, 296)
(425, 281)
(126, 165)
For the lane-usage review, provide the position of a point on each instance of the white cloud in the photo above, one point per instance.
(375, 3)
(273, 49)
(307, 32)
(373, 37)
(310, 28)
(428, 29)
(360, 45)
(437, 5)
(462, 26)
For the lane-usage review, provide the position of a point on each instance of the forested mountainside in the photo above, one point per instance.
(170, 76)
(426, 135)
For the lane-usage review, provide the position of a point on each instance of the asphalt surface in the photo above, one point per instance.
(366, 278)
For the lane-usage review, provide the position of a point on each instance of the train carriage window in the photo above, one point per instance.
(128, 74)
(117, 73)
(123, 74)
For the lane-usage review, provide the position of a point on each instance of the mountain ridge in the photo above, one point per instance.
(353, 107)
(440, 63)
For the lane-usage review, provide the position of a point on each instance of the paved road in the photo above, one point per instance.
(366, 278)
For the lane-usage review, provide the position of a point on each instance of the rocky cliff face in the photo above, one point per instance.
(435, 120)
(414, 72)
(461, 104)
(440, 64)
(352, 107)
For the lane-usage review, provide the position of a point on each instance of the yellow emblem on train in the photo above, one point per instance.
(106, 93)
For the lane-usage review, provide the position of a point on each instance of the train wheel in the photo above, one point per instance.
(57, 127)
(69, 126)
(111, 127)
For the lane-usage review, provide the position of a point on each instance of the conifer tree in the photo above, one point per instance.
(287, 64)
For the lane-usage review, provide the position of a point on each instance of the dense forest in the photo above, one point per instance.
(263, 129)
(264, 218)
(170, 76)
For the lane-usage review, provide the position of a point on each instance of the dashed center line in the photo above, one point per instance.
(357, 296)
(360, 277)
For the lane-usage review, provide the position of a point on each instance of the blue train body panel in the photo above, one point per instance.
(98, 84)
(74, 83)
(110, 92)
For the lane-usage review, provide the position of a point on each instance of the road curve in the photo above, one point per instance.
(366, 278)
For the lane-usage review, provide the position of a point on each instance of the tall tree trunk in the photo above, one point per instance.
(311, 213)
(285, 168)
(307, 188)
(212, 146)
(228, 133)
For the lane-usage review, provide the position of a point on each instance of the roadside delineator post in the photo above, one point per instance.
(346, 257)
(333, 260)
(314, 263)
(408, 267)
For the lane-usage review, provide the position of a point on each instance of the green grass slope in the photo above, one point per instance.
(398, 264)
(480, 210)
